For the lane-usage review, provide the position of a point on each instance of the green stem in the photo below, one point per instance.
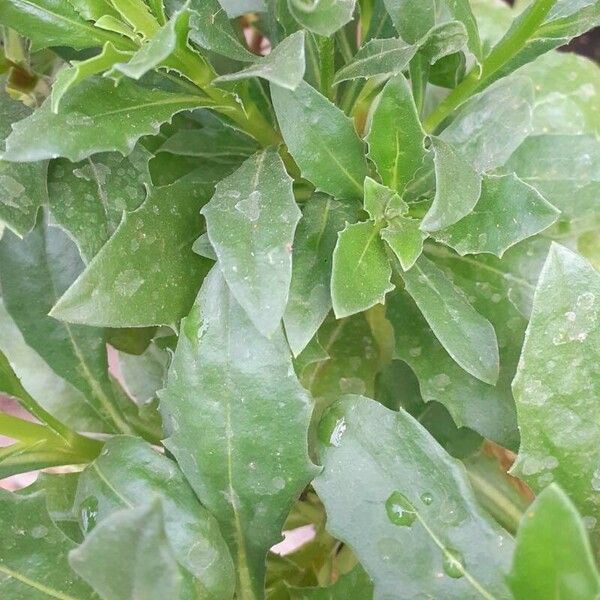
(19, 429)
(512, 43)
(327, 67)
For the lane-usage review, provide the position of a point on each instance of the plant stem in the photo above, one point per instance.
(514, 40)
(327, 67)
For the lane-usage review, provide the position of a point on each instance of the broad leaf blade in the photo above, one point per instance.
(361, 272)
(468, 337)
(553, 556)
(412, 519)
(322, 140)
(251, 221)
(120, 546)
(310, 295)
(556, 383)
(136, 292)
(508, 211)
(324, 17)
(22, 187)
(405, 238)
(34, 273)
(51, 23)
(243, 448)
(412, 18)
(91, 120)
(490, 126)
(396, 138)
(127, 475)
(34, 553)
(378, 57)
(284, 66)
(88, 198)
(458, 187)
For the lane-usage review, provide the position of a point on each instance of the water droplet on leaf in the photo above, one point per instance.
(400, 510)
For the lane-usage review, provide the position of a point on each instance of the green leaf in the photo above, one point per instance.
(564, 169)
(120, 546)
(458, 187)
(468, 337)
(361, 271)
(405, 238)
(55, 23)
(81, 70)
(55, 394)
(322, 140)
(462, 12)
(324, 17)
(443, 40)
(490, 126)
(412, 519)
(412, 18)
(144, 375)
(556, 382)
(34, 272)
(87, 199)
(382, 202)
(146, 274)
(243, 448)
(59, 491)
(166, 48)
(309, 301)
(137, 14)
(211, 29)
(284, 65)
(566, 89)
(126, 475)
(378, 57)
(91, 120)
(92, 10)
(215, 143)
(22, 187)
(396, 138)
(355, 585)
(251, 221)
(442, 380)
(553, 555)
(34, 553)
(566, 19)
(507, 212)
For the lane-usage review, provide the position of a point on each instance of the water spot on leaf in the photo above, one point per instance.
(89, 513)
(400, 510)
(454, 565)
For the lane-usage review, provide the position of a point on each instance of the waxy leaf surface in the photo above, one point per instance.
(34, 272)
(55, 23)
(412, 519)
(251, 221)
(95, 117)
(378, 57)
(552, 555)
(468, 337)
(556, 385)
(322, 140)
(128, 474)
(33, 553)
(507, 212)
(284, 66)
(361, 270)
(88, 198)
(146, 274)
(324, 17)
(458, 187)
(243, 446)
(396, 138)
(309, 301)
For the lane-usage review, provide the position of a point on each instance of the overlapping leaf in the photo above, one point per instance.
(244, 447)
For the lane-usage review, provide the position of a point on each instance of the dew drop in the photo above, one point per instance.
(426, 498)
(400, 510)
(89, 513)
(454, 565)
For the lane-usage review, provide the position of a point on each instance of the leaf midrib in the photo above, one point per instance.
(40, 587)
